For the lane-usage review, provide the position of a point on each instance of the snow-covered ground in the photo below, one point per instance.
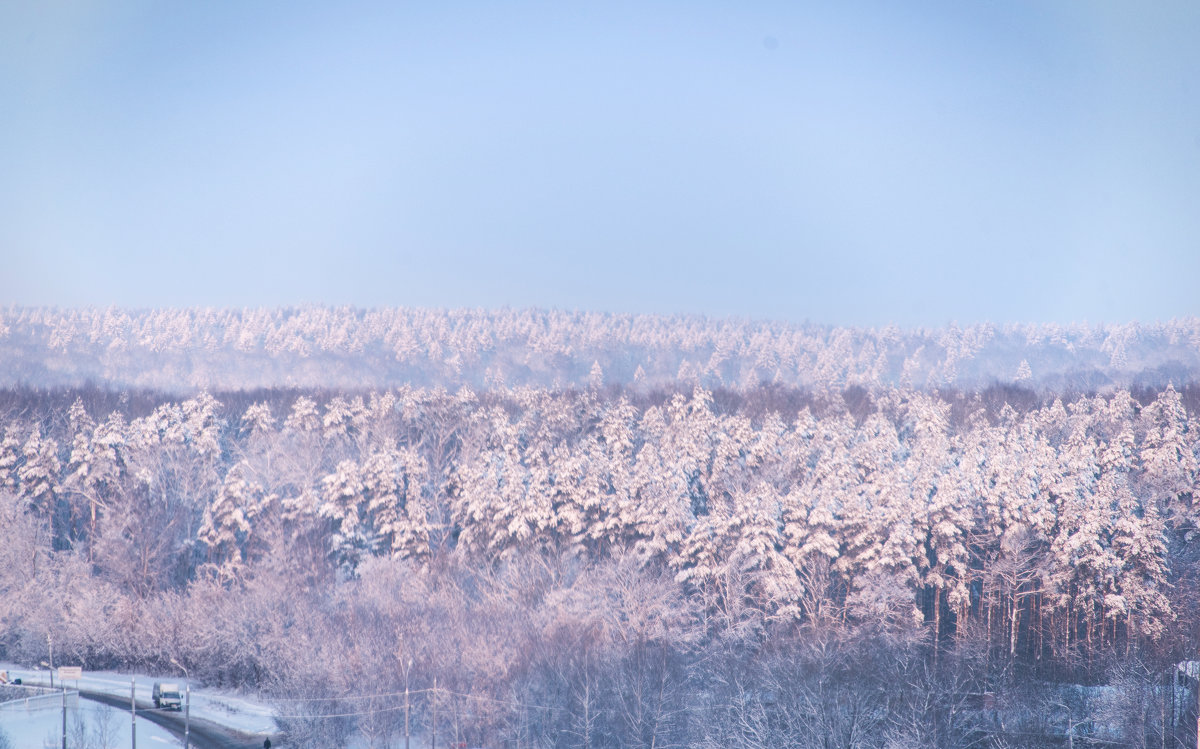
(222, 707)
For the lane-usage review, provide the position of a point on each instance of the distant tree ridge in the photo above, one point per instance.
(179, 349)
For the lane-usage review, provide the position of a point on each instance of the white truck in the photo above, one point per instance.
(166, 696)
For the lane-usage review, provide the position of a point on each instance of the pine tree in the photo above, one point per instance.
(880, 539)
(657, 512)
(812, 510)
(583, 503)
(201, 425)
(758, 553)
(943, 515)
(227, 525)
(1137, 591)
(80, 481)
(501, 501)
(303, 417)
(258, 421)
(337, 418)
(595, 376)
(38, 474)
(10, 458)
(352, 538)
(1083, 562)
(393, 481)
(1169, 465)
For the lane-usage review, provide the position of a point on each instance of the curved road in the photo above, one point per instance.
(204, 733)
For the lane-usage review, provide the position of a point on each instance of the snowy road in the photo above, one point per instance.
(218, 720)
(204, 734)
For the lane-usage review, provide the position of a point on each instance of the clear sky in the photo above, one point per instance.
(846, 163)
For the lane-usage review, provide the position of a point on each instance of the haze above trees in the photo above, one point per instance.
(322, 347)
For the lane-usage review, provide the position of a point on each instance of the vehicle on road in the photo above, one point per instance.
(166, 696)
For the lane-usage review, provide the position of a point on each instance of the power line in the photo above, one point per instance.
(513, 703)
(349, 697)
(439, 691)
(314, 716)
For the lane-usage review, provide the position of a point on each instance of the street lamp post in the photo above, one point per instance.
(50, 665)
(187, 704)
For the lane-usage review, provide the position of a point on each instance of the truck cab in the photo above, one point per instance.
(166, 696)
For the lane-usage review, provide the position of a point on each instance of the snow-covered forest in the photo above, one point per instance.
(340, 348)
(559, 529)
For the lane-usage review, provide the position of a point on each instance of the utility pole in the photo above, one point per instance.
(132, 712)
(433, 730)
(1188, 672)
(64, 712)
(407, 668)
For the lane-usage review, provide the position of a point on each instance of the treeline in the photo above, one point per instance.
(652, 566)
(345, 348)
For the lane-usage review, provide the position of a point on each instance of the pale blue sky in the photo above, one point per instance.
(846, 163)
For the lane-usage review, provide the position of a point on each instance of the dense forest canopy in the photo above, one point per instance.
(714, 548)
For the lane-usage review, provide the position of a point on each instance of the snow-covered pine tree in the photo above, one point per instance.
(943, 518)
(657, 514)
(1135, 595)
(1081, 553)
(258, 422)
(352, 538)
(880, 540)
(38, 473)
(1169, 465)
(10, 458)
(393, 482)
(812, 510)
(756, 528)
(227, 525)
(303, 416)
(500, 502)
(79, 483)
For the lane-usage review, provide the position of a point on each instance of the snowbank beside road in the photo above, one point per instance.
(224, 708)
